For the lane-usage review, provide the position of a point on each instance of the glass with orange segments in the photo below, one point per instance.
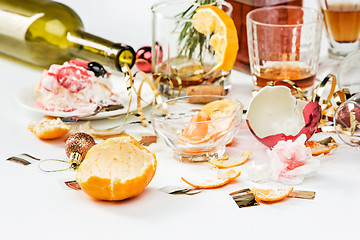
(197, 132)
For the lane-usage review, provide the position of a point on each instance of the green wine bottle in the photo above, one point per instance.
(43, 32)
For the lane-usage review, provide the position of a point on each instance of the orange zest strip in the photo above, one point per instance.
(229, 163)
(318, 149)
(218, 181)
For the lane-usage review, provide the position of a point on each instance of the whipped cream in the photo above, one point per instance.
(73, 87)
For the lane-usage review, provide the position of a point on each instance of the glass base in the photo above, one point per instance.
(197, 157)
(171, 92)
(341, 50)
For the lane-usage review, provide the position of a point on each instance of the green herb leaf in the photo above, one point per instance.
(189, 38)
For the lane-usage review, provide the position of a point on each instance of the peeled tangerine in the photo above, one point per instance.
(116, 169)
(274, 115)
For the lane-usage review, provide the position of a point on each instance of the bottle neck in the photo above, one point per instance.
(94, 48)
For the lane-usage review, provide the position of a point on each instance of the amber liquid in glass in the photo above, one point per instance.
(240, 9)
(299, 75)
(187, 72)
(342, 22)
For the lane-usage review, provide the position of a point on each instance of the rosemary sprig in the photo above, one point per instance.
(189, 38)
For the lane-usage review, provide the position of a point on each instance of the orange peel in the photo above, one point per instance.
(318, 148)
(49, 128)
(221, 180)
(229, 163)
(115, 169)
(271, 195)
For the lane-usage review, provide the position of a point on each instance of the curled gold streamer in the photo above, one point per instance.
(327, 123)
(319, 89)
(293, 85)
(130, 78)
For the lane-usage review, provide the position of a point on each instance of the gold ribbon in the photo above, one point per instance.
(328, 103)
(293, 85)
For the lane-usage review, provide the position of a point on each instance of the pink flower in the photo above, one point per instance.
(292, 161)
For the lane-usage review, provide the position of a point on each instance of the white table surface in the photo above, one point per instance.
(38, 205)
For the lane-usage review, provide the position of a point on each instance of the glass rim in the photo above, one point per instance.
(159, 5)
(352, 56)
(318, 19)
(238, 110)
(336, 113)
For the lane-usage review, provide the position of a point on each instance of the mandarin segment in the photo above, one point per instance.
(209, 123)
(197, 129)
(219, 108)
(115, 169)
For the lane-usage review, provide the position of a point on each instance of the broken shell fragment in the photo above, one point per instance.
(274, 115)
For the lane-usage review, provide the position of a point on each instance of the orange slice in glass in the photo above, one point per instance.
(229, 163)
(219, 108)
(271, 195)
(224, 40)
(197, 129)
(204, 125)
(218, 181)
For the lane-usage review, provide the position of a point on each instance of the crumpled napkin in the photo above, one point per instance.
(290, 162)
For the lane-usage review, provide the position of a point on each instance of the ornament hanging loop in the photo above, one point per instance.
(52, 160)
(76, 147)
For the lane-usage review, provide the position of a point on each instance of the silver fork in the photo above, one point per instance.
(120, 126)
(98, 109)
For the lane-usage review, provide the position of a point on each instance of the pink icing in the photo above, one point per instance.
(71, 76)
(74, 78)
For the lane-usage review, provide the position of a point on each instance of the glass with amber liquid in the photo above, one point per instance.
(294, 71)
(183, 57)
(284, 44)
(240, 9)
(342, 21)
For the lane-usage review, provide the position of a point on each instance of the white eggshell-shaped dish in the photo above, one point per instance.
(274, 115)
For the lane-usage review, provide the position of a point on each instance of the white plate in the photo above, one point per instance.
(26, 98)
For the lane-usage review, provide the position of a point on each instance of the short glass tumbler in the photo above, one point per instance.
(284, 44)
(342, 22)
(184, 124)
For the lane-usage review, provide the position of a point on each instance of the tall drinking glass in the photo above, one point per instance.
(182, 56)
(284, 44)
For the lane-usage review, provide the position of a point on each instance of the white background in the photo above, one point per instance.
(37, 205)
